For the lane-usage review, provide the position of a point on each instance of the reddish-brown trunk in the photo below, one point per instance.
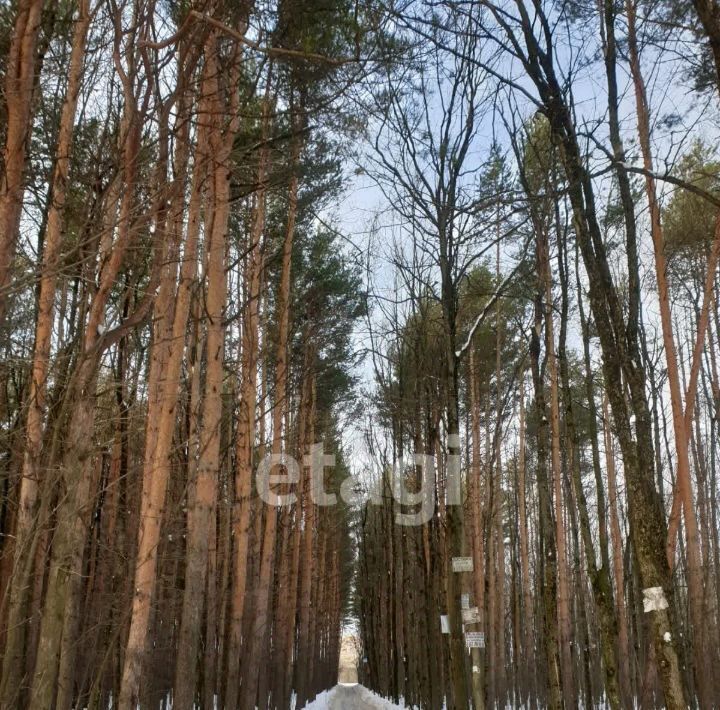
(308, 544)
(163, 386)
(245, 441)
(202, 491)
(528, 610)
(68, 542)
(32, 471)
(19, 83)
(684, 483)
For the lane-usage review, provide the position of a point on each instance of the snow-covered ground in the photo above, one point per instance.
(350, 697)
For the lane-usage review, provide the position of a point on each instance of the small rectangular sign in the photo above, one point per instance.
(462, 564)
(471, 616)
(464, 601)
(475, 639)
(444, 624)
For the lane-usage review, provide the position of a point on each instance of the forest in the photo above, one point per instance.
(389, 325)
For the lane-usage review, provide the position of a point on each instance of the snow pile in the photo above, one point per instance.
(320, 702)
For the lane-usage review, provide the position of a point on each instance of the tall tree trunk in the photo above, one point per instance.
(616, 537)
(599, 577)
(547, 535)
(563, 600)
(454, 513)
(498, 532)
(32, 458)
(203, 491)
(287, 602)
(528, 606)
(684, 483)
(245, 442)
(305, 609)
(163, 385)
(19, 85)
(252, 652)
(69, 537)
(621, 358)
(623, 654)
(476, 521)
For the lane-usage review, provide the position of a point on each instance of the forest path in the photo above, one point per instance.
(357, 697)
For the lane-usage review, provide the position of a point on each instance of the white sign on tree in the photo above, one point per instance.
(471, 616)
(462, 564)
(475, 639)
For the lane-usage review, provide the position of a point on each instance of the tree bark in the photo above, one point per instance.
(202, 494)
(31, 475)
(563, 614)
(621, 358)
(19, 85)
(166, 361)
(68, 542)
(245, 442)
(684, 483)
